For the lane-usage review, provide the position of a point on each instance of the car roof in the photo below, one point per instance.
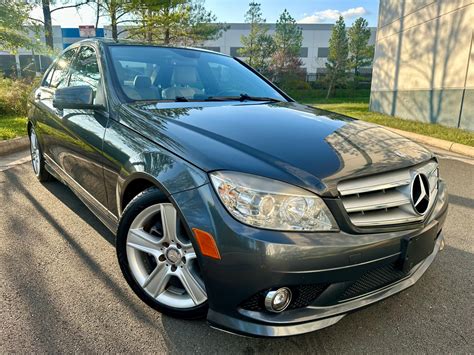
(127, 42)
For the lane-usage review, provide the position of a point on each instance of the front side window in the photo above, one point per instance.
(57, 76)
(177, 74)
(85, 70)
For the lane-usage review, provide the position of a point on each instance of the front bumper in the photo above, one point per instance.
(253, 260)
(320, 317)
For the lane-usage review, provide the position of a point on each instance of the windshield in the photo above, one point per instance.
(176, 74)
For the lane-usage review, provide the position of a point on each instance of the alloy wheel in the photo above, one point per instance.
(162, 258)
(35, 152)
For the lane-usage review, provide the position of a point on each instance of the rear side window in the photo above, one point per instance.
(85, 70)
(57, 77)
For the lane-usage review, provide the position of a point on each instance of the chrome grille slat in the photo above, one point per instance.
(379, 218)
(375, 201)
(385, 199)
(374, 183)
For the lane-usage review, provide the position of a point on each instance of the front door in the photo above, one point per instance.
(79, 152)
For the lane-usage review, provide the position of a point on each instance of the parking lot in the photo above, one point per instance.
(62, 290)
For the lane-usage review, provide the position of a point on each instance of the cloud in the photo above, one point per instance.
(331, 15)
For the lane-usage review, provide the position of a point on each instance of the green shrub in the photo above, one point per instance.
(14, 95)
(295, 84)
(309, 95)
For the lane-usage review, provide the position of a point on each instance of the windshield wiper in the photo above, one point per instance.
(180, 99)
(241, 97)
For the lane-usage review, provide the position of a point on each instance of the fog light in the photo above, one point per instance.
(278, 300)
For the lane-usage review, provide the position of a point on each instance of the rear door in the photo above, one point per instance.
(48, 119)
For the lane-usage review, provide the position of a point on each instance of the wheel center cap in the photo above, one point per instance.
(173, 255)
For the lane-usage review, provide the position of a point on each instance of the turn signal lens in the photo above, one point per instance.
(207, 244)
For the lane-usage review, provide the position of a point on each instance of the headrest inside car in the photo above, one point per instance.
(184, 75)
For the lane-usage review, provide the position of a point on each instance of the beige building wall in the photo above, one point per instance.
(423, 66)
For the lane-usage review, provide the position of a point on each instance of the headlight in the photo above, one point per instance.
(271, 204)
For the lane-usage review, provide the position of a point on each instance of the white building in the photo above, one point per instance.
(314, 50)
(424, 61)
(313, 54)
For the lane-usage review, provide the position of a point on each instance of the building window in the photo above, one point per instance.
(8, 65)
(304, 52)
(311, 77)
(44, 62)
(31, 64)
(234, 51)
(323, 52)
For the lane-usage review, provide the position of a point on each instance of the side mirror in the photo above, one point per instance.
(75, 97)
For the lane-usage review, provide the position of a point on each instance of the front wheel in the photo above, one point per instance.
(157, 258)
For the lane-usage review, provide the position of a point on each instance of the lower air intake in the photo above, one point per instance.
(373, 280)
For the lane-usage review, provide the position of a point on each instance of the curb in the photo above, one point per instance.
(436, 142)
(13, 145)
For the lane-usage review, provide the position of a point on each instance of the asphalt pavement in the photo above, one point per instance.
(62, 290)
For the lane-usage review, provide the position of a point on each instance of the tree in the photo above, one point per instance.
(14, 22)
(338, 61)
(258, 46)
(159, 21)
(202, 25)
(361, 54)
(182, 22)
(116, 11)
(47, 11)
(288, 38)
(266, 49)
(48, 23)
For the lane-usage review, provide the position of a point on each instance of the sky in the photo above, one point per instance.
(304, 11)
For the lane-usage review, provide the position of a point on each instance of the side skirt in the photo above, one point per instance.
(98, 209)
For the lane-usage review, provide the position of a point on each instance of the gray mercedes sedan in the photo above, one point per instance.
(230, 200)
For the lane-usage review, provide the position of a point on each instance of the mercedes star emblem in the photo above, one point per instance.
(420, 193)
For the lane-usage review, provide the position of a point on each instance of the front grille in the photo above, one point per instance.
(302, 296)
(373, 280)
(385, 199)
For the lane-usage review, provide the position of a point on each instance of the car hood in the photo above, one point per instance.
(290, 142)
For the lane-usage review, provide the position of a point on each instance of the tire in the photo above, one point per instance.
(158, 261)
(37, 159)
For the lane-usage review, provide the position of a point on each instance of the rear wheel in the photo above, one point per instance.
(37, 160)
(157, 258)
